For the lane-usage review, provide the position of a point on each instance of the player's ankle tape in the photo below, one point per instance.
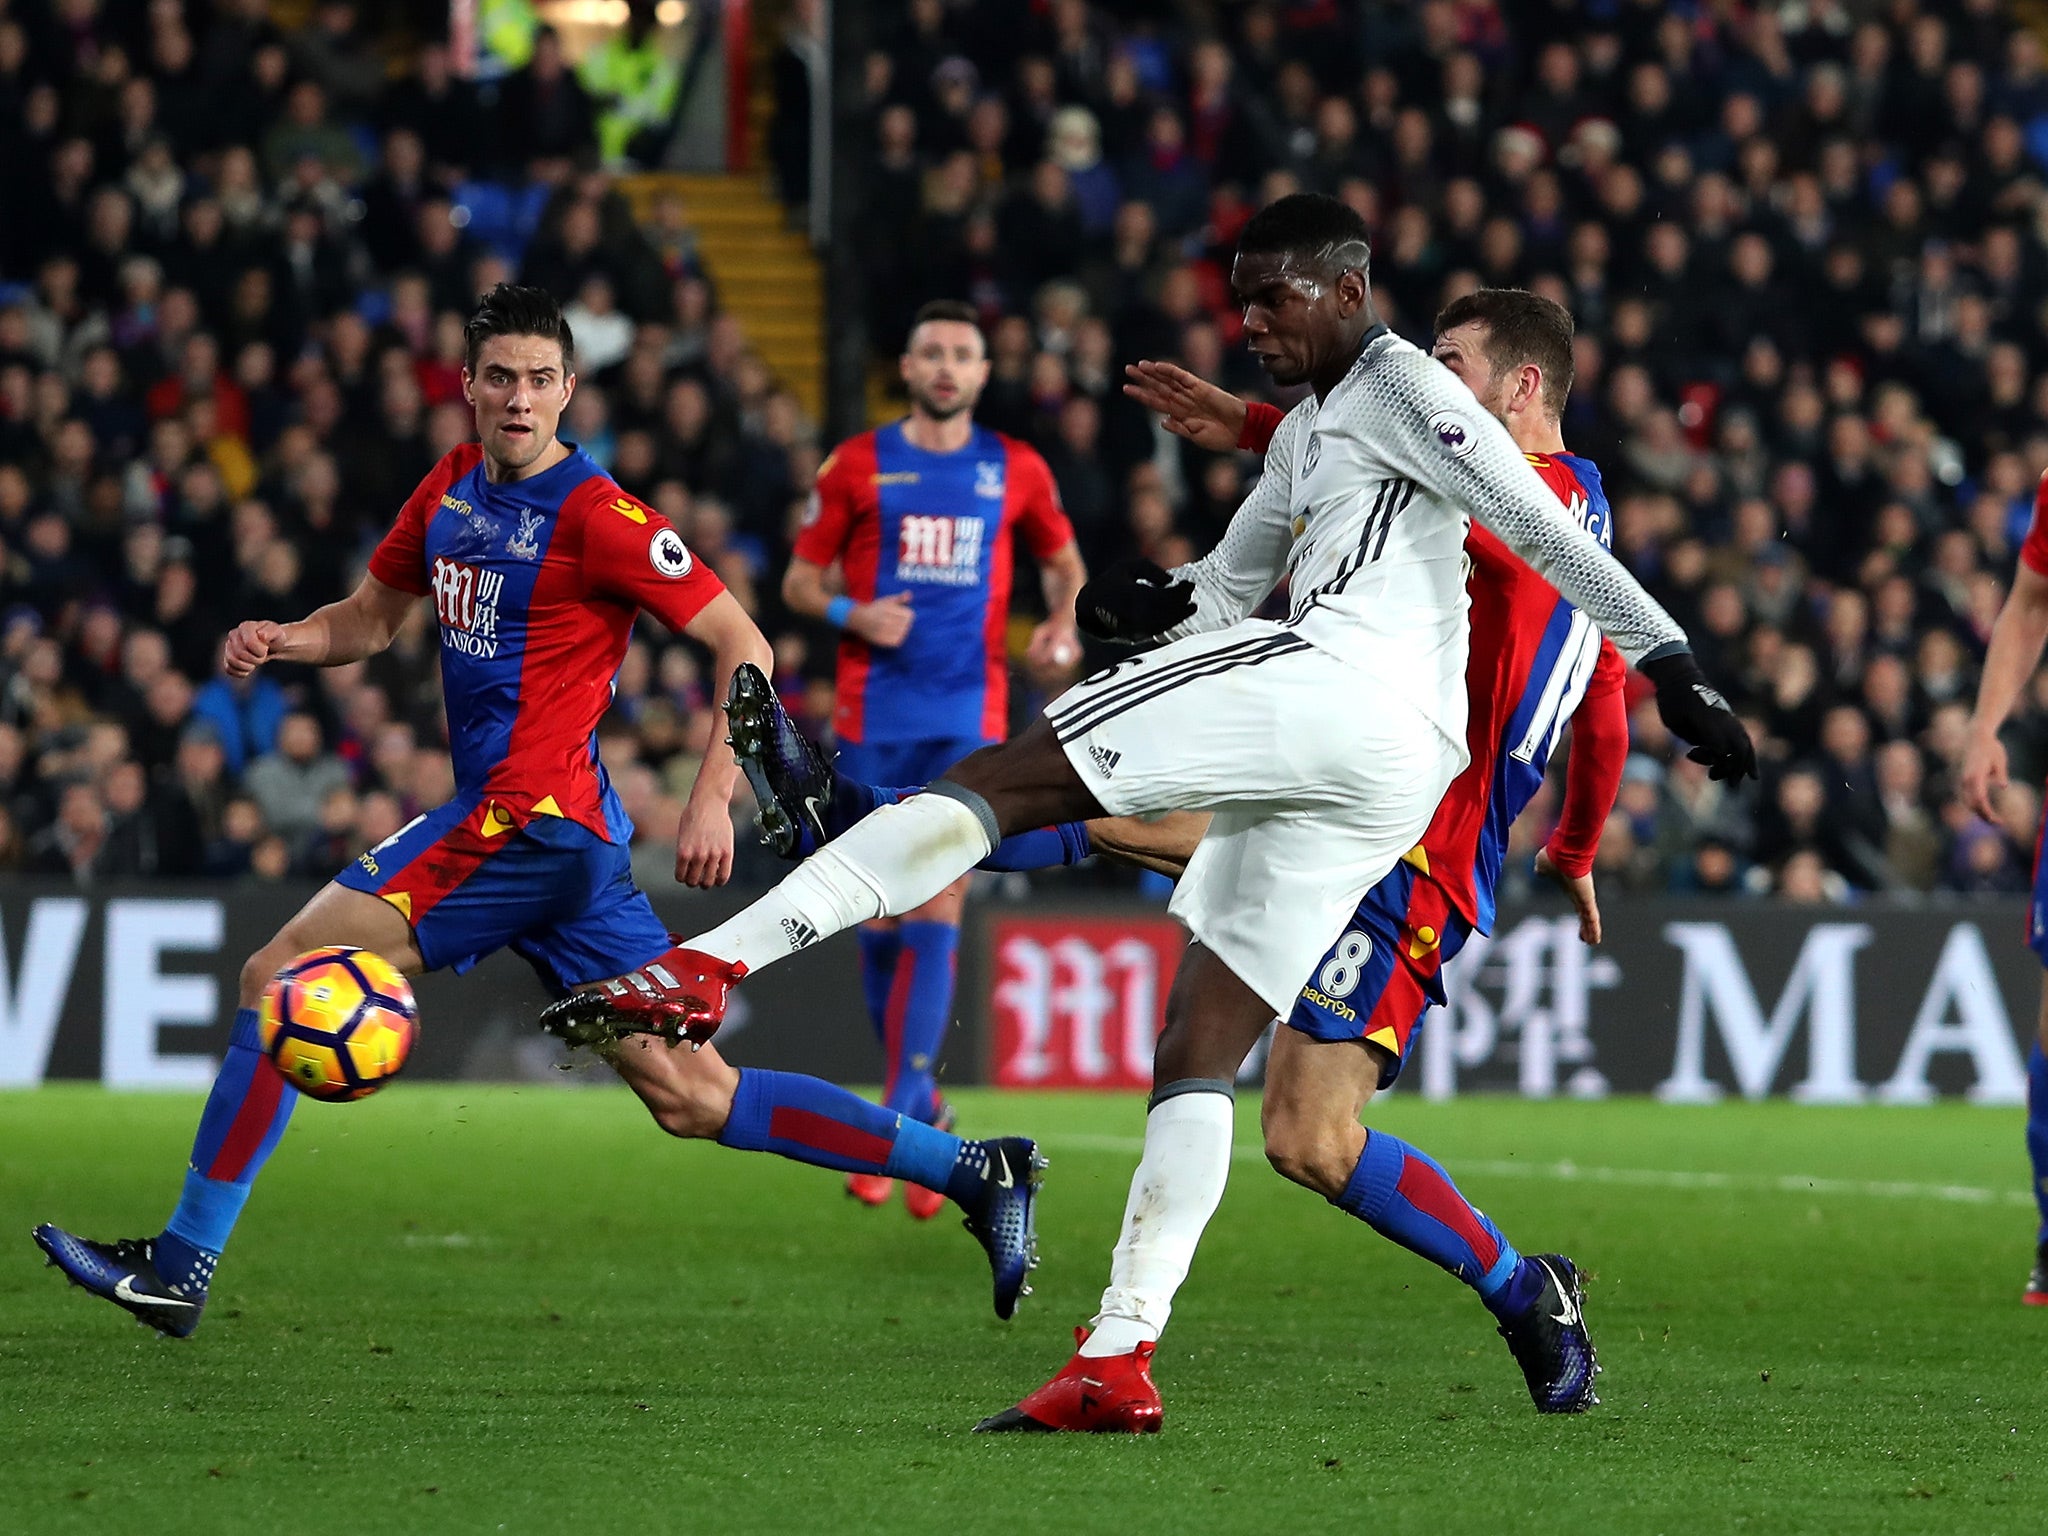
(1179, 1086)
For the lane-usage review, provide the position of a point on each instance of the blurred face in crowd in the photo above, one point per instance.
(520, 387)
(944, 368)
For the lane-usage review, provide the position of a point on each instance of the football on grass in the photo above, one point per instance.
(338, 1022)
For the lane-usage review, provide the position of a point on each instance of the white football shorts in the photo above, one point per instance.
(1320, 778)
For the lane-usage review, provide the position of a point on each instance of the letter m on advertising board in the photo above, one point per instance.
(1078, 1002)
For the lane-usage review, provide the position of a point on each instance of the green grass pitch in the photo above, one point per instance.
(473, 1308)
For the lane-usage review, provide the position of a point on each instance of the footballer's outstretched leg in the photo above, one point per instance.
(164, 1280)
(995, 1182)
(1316, 1089)
(807, 801)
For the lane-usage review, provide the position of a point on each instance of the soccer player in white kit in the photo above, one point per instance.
(1322, 742)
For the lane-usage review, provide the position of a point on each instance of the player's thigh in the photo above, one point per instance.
(1213, 1019)
(2041, 1023)
(689, 1093)
(1027, 781)
(467, 882)
(336, 914)
(1253, 716)
(607, 926)
(1270, 893)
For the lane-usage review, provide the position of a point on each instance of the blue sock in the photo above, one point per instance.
(815, 1122)
(881, 946)
(852, 800)
(920, 1009)
(245, 1115)
(1042, 848)
(1402, 1194)
(2037, 1130)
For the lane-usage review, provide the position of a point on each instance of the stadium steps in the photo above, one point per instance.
(765, 273)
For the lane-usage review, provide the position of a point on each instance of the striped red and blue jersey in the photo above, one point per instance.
(1534, 659)
(938, 526)
(536, 584)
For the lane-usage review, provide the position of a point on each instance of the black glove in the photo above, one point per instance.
(1693, 710)
(1132, 600)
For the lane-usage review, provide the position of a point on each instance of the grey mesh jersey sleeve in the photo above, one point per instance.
(1251, 557)
(1427, 425)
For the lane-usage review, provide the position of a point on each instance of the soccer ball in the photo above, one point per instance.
(338, 1022)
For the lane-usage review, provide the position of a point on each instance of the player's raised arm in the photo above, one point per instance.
(1426, 422)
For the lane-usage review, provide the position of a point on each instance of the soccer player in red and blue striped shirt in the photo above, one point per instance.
(2017, 639)
(920, 517)
(538, 565)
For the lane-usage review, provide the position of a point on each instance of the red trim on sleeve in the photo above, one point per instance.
(400, 559)
(1034, 501)
(633, 555)
(2034, 550)
(844, 492)
(1260, 423)
(1593, 772)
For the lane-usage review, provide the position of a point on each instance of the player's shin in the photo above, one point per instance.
(1175, 1191)
(811, 1121)
(1405, 1196)
(2037, 1131)
(881, 947)
(896, 859)
(245, 1116)
(919, 1009)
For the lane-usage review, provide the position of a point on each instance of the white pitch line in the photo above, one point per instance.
(1641, 1178)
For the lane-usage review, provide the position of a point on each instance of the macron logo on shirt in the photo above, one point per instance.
(466, 601)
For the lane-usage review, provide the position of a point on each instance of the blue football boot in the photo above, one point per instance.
(1003, 1214)
(125, 1273)
(791, 779)
(1550, 1342)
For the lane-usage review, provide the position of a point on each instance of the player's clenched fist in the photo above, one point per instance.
(1693, 710)
(1133, 600)
(249, 645)
(884, 622)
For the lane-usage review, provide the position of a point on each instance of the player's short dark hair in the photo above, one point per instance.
(1310, 226)
(512, 310)
(1521, 328)
(954, 310)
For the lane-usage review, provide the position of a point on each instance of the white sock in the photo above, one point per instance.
(1175, 1191)
(896, 858)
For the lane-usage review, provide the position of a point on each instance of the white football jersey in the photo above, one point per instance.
(1363, 507)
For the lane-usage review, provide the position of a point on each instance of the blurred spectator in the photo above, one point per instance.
(291, 783)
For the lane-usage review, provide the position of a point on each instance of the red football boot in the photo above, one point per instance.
(870, 1188)
(1109, 1395)
(680, 995)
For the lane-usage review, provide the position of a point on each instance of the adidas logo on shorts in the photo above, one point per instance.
(801, 935)
(1105, 760)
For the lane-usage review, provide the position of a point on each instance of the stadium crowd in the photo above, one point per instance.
(1804, 241)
